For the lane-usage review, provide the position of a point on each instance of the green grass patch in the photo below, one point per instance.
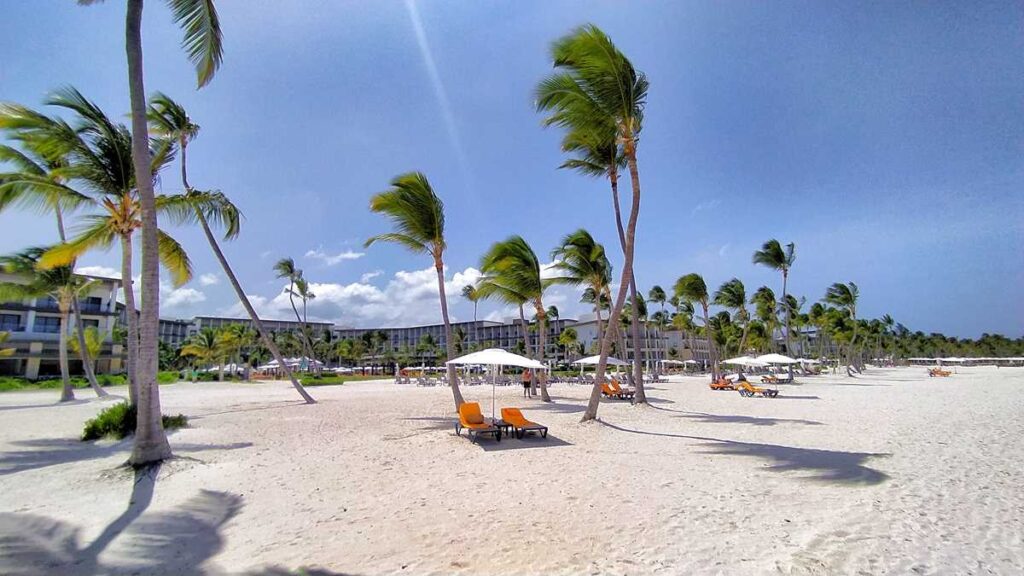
(323, 380)
(118, 421)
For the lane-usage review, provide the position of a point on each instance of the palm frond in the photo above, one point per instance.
(199, 21)
(174, 259)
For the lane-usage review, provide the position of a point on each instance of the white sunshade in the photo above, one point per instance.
(592, 360)
(807, 361)
(496, 357)
(673, 362)
(777, 359)
(745, 361)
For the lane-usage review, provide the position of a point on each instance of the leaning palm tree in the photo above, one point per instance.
(285, 268)
(844, 297)
(596, 86)
(60, 283)
(691, 288)
(198, 19)
(512, 265)
(418, 216)
(581, 261)
(40, 181)
(774, 256)
(99, 156)
(733, 296)
(209, 347)
(171, 122)
(93, 339)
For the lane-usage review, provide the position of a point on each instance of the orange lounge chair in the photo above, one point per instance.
(939, 372)
(625, 394)
(770, 379)
(747, 389)
(722, 384)
(520, 425)
(472, 420)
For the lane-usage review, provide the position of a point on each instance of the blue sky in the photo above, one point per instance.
(885, 139)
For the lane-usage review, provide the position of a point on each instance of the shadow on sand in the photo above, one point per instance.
(525, 443)
(46, 452)
(179, 541)
(735, 419)
(845, 468)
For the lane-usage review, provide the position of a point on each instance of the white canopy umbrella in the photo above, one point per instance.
(673, 362)
(495, 357)
(807, 361)
(776, 359)
(690, 362)
(745, 361)
(592, 361)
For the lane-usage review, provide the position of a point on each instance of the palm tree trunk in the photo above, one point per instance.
(83, 352)
(712, 348)
(786, 311)
(268, 341)
(449, 344)
(524, 328)
(131, 326)
(624, 284)
(67, 393)
(150, 439)
(638, 374)
(542, 322)
(597, 312)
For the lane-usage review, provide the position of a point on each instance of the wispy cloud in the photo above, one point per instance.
(333, 259)
(365, 278)
(706, 205)
(209, 280)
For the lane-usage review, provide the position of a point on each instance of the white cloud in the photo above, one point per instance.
(209, 280)
(723, 250)
(333, 259)
(365, 278)
(548, 271)
(706, 205)
(104, 271)
(407, 299)
(180, 297)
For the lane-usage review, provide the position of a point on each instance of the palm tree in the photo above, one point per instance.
(170, 121)
(568, 339)
(733, 296)
(40, 182)
(512, 267)
(418, 216)
(597, 87)
(209, 347)
(844, 297)
(581, 261)
(285, 268)
(469, 293)
(93, 339)
(59, 283)
(691, 288)
(766, 308)
(98, 153)
(774, 256)
(656, 295)
(198, 19)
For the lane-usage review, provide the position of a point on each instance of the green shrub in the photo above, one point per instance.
(118, 421)
(167, 377)
(7, 384)
(331, 380)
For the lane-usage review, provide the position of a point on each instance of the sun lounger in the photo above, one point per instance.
(520, 425)
(472, 421)
(722, 384)
(747, 389)
(624, 393)
(933, 372)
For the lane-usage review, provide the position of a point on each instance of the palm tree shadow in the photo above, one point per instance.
(844, 468)
(525, 443)
(45, 452)
(179, 541)
(737, 419)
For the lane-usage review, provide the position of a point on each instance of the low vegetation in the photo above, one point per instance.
(118, 421)
(15, 383)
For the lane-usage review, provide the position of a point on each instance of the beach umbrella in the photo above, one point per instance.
(745, 361)
(592, 360)
(777, 359)
(495, 357)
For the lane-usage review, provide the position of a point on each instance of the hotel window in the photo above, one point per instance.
(47, 325)
(10, 322)
(87, 323)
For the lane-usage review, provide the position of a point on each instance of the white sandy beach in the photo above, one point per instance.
(888, 473)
